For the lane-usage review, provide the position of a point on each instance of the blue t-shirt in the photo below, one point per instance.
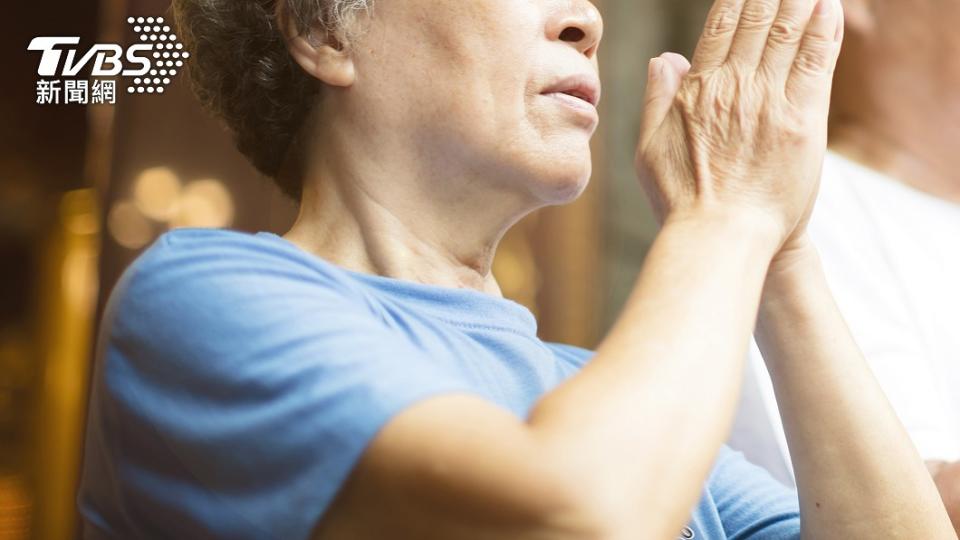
(239, 379)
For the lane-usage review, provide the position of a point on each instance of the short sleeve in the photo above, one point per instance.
(571, 359)
(751, 504)
(235, 392)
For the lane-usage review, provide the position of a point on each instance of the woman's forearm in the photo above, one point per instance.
(857, 472)
(645, 419)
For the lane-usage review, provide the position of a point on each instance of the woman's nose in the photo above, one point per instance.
(577, 22)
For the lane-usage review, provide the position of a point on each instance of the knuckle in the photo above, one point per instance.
(758, 14)
(785, 32)
(723, 23)
(812, 60)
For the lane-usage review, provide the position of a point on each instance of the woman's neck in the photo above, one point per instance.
(402, 225)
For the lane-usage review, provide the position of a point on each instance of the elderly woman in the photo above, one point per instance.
(362, 377)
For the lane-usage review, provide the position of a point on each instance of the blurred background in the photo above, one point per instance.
(84, 189)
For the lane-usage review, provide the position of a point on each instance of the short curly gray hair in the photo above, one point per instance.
(242, 72)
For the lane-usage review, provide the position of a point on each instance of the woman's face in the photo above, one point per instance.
(503, 90)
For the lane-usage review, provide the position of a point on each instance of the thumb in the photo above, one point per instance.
(663, 82)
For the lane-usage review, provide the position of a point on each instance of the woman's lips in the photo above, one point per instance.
(572, 100)
(582, 86)
(578, 106)
(579, 93)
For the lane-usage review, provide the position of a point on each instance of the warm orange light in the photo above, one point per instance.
(155, 193)
(128, 226)
(204, 203)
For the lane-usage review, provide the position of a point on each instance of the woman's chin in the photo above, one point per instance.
(562, 188)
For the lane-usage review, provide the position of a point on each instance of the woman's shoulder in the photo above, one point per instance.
(218, 260)
(223, 249)
(193, 282)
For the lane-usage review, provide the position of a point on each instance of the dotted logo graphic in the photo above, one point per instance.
(167, 58)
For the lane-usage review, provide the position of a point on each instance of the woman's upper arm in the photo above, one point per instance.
(458, 467)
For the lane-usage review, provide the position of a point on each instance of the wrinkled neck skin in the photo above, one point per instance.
(896, 109)
(381, 204)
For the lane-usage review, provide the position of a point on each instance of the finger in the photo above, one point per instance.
(663, 82)
(785, 36)
(680, 65)
(750, 40)
(718, 32)
(812, 72)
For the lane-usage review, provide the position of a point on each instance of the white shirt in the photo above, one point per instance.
(892, 259)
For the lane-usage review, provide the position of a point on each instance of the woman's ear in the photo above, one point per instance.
(858, 16)
(318, 52)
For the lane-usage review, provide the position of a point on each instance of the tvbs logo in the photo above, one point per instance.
(146, 67)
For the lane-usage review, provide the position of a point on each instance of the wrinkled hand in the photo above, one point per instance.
(743, 131)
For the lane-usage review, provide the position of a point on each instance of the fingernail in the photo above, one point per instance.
(654, 69)
(824, 7)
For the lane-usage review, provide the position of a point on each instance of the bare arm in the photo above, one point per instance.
(603, 455)
(617, 452)
(858, 474)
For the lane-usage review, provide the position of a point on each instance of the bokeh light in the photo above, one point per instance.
(204, 203)
(128, 226)
(156, 192)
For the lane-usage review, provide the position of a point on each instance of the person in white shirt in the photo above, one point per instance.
(887, 225)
